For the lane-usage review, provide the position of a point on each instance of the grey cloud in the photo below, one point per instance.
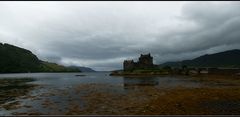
(211, 14)
(102, 35)
(217, 26)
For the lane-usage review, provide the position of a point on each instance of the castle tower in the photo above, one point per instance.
(128, 65)
(145, 60)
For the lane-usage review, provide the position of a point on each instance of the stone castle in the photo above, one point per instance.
(144, 62)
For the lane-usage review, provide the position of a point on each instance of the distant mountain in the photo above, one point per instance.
(83, 69)
(53, 67)
(230, 58)
(15, 60)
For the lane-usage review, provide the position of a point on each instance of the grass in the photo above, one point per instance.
(141, 72)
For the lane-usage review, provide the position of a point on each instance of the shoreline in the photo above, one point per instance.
(152, 74)
(220, 94)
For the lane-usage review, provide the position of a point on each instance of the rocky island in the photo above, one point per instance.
(144, 66)
(223, 63)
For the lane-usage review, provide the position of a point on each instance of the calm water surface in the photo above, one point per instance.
(60, 82)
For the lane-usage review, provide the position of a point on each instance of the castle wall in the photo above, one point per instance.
(223, 71)
(128, 65)
(144, 62)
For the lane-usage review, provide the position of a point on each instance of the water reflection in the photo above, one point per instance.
(131, 82)
(160, 82)
(62, 88)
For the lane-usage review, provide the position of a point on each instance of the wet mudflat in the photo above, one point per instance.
(150, 100)
(100, 94)
(10, 89)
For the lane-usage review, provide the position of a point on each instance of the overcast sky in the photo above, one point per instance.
(101, 34)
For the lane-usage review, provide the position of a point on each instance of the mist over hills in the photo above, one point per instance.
(83, 69)
(14, 59)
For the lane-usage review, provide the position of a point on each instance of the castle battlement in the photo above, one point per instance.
(144, 62)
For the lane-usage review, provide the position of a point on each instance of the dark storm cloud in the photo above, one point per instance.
(102, 34)
(215, 26)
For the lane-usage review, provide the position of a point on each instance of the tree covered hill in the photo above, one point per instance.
(15, 60)
(230, 59)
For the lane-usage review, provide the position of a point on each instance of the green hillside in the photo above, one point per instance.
(18, 60)
(230, 59)
(53, 67)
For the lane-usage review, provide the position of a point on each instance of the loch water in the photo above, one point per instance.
(60, 82)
